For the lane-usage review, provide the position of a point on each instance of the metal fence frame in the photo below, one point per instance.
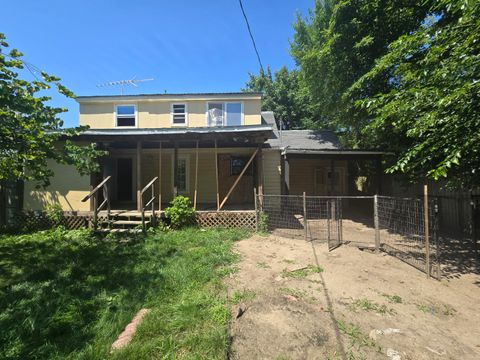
(311, 218)
(401, 227)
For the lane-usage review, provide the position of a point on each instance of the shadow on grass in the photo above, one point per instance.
(56, 288)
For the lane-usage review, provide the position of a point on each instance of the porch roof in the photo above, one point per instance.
(256, 133)
(313, 142)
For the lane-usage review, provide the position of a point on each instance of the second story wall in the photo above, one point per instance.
(158, 113)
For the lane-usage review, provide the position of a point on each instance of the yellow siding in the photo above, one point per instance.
(67, 188)
(302, 174)
(156, 113)
(206, 190)
(271, 173)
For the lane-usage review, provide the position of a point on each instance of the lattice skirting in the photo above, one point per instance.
(227, 219)
(35, 220)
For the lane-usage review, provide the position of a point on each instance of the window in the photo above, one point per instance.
(237, 163)
(224, 114)
(126, 115)
(183, 174)
(215, 114)
(179, 114)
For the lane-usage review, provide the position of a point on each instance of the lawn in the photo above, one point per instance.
(68, 294)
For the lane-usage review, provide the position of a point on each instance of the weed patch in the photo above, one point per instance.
(242, 296)
(369, 305)
(301, 273)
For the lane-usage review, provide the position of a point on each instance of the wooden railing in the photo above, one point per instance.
(106, 201)
(150, 202)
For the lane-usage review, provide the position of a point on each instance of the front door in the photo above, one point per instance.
(124, 179)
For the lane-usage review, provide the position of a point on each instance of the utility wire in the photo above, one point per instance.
(251, 35)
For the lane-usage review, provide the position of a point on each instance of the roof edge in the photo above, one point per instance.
(152, 97)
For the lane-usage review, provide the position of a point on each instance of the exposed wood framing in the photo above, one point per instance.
(332, 177)
(260, 169)
(216, 173)
(160, 177)
(139, 174)
(238, 179)
(175, 169)
(196, 178)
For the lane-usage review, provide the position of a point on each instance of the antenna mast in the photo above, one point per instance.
(122, 83)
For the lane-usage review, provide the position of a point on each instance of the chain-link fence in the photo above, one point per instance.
(403, 233)
(300, 217)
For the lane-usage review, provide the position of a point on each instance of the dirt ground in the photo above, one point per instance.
(302, 302)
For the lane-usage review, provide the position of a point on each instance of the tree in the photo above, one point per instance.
(285, 95)
(433, 103)
(337, 44)
(30, 130)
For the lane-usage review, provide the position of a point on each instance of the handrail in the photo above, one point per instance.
(106, 201)
(149, 184)
(96, 189)
(149, 202)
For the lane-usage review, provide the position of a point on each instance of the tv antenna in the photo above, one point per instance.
(122, 83)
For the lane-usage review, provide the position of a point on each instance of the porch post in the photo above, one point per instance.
(332, 177)
(216, 174)
(139, 175)
(160, 178)
(196, 178)
(260, 169)
(285, 176)
(175, 169)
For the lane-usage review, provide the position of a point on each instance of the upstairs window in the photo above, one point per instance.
(179, 114)
(224, 113)
(126, 115)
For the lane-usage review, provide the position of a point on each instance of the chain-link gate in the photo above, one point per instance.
(301, 217)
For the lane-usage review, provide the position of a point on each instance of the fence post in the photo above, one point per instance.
(377, 224)
(426, 229)
(329, 215)
(436, 229)
(256, 209)
(473, 226)
(305, 223)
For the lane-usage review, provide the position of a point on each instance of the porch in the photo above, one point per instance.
(218, 169)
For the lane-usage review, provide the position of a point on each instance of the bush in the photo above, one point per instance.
(180, 213)
(54, 213)
(263, 222)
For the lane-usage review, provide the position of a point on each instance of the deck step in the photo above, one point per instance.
(129, 222)
(120, 230)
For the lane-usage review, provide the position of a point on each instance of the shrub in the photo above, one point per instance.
(54, 213)
(180, 213)
(263, 222)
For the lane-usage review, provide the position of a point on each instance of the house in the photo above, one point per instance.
(215, 148)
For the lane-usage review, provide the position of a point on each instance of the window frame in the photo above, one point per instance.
(185, 157)
(116, 116)
(173, 124)
(248, 172)
(225, 116)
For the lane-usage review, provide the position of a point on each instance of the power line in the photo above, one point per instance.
(251, 35)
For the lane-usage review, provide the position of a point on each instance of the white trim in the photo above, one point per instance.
(185, 124)
(185, 157)
(115, 116)
(225, 113)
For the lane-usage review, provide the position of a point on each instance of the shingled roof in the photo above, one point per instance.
(305, 140)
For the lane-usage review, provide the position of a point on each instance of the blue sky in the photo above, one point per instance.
(186, 46)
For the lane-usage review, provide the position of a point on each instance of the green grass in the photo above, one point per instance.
(396, 299)
(68, 294)
(294, 292)
(369, 305)
(242, 296)
(302, 273)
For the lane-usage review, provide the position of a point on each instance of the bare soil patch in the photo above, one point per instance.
(301, 302)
